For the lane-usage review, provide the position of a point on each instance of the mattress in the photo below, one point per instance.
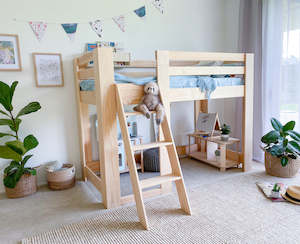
(207, 84)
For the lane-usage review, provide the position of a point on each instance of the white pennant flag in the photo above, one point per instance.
(97, 27)
(159, 4)
(38, 28)
(120, 21)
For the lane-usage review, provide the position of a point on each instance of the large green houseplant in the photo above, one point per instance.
(282, 149)
(15, 149)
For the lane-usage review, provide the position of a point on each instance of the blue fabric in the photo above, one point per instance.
(206, 84)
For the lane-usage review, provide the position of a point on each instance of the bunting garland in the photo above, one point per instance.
(39, 27)
(120, 21)
(70, 29)
(97, 27)
(159, 5)
(141, 12)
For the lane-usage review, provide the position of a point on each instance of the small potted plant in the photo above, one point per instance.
(225, 131)
(218, 155)
(282, 149)
(19, 180)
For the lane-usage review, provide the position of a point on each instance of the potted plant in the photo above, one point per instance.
(218, 155)
(19, 180)
(225, 131)
(282, 149)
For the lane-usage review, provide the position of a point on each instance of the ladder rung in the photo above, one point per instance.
(151, 145)
(158, 180)
(137, 113)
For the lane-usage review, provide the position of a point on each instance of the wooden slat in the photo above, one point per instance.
(138, 64)
(138, 74)
(205, 56)
(158, 180)
(207, 70)
(151, 145)
(135, 113)
(88, 97)
(146, 194)
(94, 166)
(247, 135)
(86, 74)
(85, 59)
(190, 94)
(94, 179)
(130, 94)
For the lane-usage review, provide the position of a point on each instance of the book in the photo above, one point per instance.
(267, 189)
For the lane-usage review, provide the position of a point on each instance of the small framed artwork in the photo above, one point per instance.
(48, 69)
(10, 59)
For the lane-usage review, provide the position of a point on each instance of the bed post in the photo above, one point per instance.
(83, 126)
(247, 135)
(162, 69)
(107, 126)
(199, 106)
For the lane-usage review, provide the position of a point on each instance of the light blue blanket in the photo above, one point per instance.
(206, 84)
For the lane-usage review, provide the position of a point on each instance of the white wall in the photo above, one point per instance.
(186, 25)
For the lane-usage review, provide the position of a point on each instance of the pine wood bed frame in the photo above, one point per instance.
(104, 174)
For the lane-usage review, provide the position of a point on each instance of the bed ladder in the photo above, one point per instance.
(139, 185)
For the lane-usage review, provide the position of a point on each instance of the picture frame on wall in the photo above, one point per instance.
(10, 59)
(48, 69)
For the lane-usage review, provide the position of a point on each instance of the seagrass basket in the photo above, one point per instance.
(274, 167)
(62, 179)
(26, 186)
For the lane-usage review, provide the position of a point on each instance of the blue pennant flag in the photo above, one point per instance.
(70, 29)
(141, 12)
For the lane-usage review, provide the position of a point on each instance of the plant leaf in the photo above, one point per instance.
(10, 123)
(30, 108)
(7, 153)
(30, 142)
(26, 158)
(19, 173)
(277, 150)
(271, 137)
(16, 146)
(9, 181)
(289, 126)
(295, 135)
(5, 134)
(284, 161)
(276, 124)
(30, 171)
(12, 165)
(5, 96)
(2, 112)
(294, 147)
(6, 122)
(12, 89)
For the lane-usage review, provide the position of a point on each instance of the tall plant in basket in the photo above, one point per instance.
(16, 149)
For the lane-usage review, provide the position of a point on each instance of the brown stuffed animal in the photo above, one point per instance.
(151, 102)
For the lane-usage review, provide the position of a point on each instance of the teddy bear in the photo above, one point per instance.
(151, 102)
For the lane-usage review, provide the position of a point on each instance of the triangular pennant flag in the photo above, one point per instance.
(141, 12)
(70, 29)
(120, 21)
(159, 4)
(97, 27)
(39, 29)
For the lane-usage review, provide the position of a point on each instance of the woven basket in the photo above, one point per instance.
(62, 179)
(274, 167)
(26, 186)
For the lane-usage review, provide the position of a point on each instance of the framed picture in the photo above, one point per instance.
(10, 59)
(48, 69)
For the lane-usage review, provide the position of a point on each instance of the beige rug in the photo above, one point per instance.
(229, 211)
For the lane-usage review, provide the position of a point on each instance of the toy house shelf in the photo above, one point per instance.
(223, 162)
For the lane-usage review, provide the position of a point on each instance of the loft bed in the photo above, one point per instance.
(104, 174)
